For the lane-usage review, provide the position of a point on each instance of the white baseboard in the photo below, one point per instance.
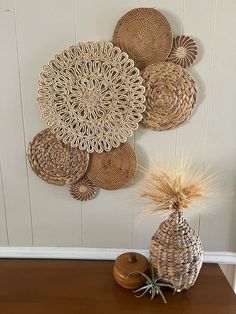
(96, 253)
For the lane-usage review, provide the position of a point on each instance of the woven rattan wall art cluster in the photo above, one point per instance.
(94, 95)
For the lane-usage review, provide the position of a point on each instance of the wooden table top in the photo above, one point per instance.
(71, 287)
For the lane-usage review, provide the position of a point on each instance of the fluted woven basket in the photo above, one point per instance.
(83, 189)
(183, 52)
(176, 252)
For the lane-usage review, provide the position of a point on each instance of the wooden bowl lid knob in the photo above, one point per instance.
(132, 258)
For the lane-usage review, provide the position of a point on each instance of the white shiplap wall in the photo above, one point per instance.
(35, 213)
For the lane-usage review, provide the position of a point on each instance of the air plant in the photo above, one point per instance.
(153, 285)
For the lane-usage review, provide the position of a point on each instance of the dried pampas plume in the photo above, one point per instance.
(171, 188)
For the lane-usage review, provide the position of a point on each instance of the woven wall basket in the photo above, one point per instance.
(145, 34)
(113, 170)
(176, 252)
(83, 189)
(55, 162)
(183, 52)
(170, 96)
(91, 96)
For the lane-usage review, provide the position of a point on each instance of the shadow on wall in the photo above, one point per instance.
(173, 19)
(142, 156)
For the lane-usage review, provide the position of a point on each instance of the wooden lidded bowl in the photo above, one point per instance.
(127, 263)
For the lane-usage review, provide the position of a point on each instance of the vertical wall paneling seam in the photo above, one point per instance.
(23, 122)
(134, 190)
(133, 203)
(4, 202)
(176, 130)
(181, 32)
(209, 87)
(75, 22)
(81, 203)
(183, 16)
(133, 199)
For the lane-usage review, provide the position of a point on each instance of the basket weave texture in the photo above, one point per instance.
(183, 52)
(91, 96)
(176, 252)
(171, 95)
(55, 162)
(112, 170)
(83, 189)
(145, 34)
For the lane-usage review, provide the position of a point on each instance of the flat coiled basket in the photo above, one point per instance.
(176, 252)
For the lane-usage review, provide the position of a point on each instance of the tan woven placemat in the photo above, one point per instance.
(145, 34)
(55, 162)
(113, 170)
(170, 96)
(183, 52)
(91, 96)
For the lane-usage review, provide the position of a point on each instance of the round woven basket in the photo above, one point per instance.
(113, 170)
(183, 52)
(55, 162)
(171, 95)
(83, 189)
(145, 34)
(91, 96)
(176, 252)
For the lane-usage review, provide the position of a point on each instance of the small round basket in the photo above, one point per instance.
(184, 51)
(83, 189)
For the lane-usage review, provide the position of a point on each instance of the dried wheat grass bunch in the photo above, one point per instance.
(176, 186)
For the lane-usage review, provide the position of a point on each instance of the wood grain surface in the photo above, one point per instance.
(70, 287)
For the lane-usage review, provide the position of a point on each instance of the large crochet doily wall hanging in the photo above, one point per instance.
(93, 96)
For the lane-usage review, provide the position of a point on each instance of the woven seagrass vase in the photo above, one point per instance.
(176, 252)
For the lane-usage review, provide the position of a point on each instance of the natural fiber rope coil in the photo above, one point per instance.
(176, 252)
(91, 96)
(183, 52)
(55, 162)
(170, 96)
(145, 34)
(113, 170)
